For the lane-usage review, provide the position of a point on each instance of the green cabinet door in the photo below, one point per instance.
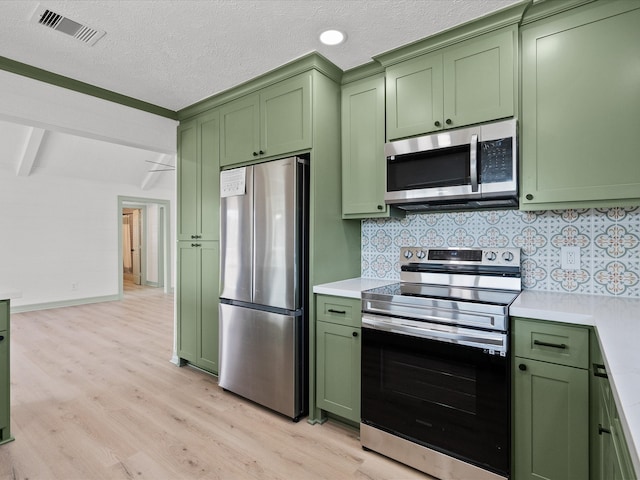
(188, 298)
(274, 121)
(198, 185)
(363, 160)
(285, 116)
(338, 369)
(5, 433)
(551, 418)
(610, 457)
(470, 82)
(479, 79)
(197, 303)
(187, 173)
(581, 108)
(240, 130)
(414, 96)
(207, 351)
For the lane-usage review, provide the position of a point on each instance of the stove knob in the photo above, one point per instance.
(491, 256)
(507, 256)
(408, 254)
(421, 254)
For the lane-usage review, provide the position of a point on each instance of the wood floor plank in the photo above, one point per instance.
(94, 396)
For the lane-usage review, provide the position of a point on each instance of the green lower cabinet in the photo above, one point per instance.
(5, 430)
(610, 458)
(338, 347)
(197, 303)
(338, 369)
(551, 417)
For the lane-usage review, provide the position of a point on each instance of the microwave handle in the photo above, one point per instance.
(473, 159)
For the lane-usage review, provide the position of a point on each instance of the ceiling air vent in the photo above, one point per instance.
(58, 22)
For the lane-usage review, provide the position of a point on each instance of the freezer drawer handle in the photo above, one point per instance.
(341, 312)
(561, 346)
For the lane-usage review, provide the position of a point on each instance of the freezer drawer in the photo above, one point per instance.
(260, 357)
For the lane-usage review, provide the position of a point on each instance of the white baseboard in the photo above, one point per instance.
(63, 303)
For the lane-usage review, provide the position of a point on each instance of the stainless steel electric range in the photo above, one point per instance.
(436, 362)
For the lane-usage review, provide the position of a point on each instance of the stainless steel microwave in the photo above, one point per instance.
(474, 167)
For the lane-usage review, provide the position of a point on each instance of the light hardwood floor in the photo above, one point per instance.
(94, 396)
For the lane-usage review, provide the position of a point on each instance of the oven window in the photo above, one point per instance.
(454, 399)
(443, 167)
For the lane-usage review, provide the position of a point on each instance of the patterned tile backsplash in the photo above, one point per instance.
(609, 242)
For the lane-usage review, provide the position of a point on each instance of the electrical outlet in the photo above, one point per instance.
(570, 258)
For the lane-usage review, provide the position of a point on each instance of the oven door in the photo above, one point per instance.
(443, 394)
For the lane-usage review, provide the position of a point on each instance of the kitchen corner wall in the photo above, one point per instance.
(609, 242)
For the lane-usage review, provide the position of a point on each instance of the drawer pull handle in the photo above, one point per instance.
(355, 334)
(522, 367)
(561, 346)
(341, 312)
(1, 338)
(599, 370)
(602, 430)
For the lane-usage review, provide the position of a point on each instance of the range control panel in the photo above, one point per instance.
(460, 256)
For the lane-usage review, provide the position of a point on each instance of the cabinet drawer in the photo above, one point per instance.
(550, 342)
(4, 316)
(340, 310)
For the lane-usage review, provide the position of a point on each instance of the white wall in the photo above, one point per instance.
(59, 237)
(58, 233)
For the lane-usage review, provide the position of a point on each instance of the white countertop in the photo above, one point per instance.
(9, 293)
(352, 287)
(617, 323)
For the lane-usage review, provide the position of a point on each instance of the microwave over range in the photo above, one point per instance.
(473, 167)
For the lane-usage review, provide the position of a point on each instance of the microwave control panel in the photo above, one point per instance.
(496, 160)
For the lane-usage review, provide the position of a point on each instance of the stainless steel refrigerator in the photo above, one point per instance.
(264, 287)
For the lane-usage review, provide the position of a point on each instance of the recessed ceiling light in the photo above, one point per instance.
(332, 37)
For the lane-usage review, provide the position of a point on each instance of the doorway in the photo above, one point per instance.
(144, 247)
(132, 245)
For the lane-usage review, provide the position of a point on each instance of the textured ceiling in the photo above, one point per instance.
(175, 53)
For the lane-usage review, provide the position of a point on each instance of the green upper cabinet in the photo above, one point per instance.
(240, 130)
(414, 97)
(479, 79)
(363, 160)
(469, 82)
(273, 121)
(198, 184)
(581, 108)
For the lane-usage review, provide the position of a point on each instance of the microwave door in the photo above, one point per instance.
(445, 173)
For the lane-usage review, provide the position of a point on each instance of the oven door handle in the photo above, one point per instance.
(495, 342)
